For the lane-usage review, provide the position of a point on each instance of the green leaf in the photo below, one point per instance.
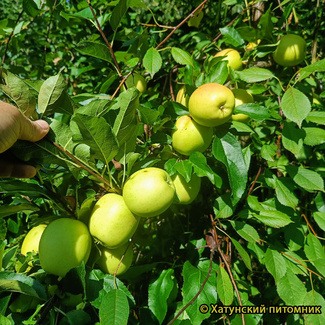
(30, 7)
(98, 135)
(159, 292)
(193, 279)
(224, 287)
(306, 71)
(242, 252)
(181, 56)
(126, 123)
(317, 117)
(314, 136)
(218, 73)
(291, 290)
(295, 105)
(148, 115)
(184, 167)
(292, 137)
(12, 186)
(21, 283)
(268, 151)
(21, 94)
(95, 49)
(320, 219)
(266, 26)
(232, 37)
(275, 264)
(313, 298)
(7, 210)
(246, 231)
(284, 192)
(223, 206)
(314, 249)
(152, 61)
(118, 13)
(254, 75)
(75, 317)
(52, 97)
(275, 219)
(227, 150)
(306, 178)
(254, 111)
(114, 309)
(201, 168)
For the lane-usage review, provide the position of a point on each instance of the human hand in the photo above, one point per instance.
(15, 126)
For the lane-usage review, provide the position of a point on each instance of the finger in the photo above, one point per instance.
(8, 169)
(32, 130)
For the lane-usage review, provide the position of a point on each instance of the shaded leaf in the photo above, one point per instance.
(95, 49)
(224, 287)
(275, 264)
(232, 36)
(118, 13)
(246, 231)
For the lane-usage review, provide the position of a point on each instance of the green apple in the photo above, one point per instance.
(110, 259)
(65, 243)
(290, 51)
(71, 300)
(149, 192)
(186, 191)
(233, 58)
(212, 104)
(189, 136)
(196, 19)
(242, 96)
(32, 239)
(111, 222)
(136, 80)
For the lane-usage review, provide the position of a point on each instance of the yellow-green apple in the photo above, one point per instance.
(186, 192)
(32, 239)
(189, 136)
(182, 97)
(111, 221)
(242, 96)
(290, 51)
(138, 81)
(149, 192)
(196, 19)
(233, 58)
(65, 243)
(110, 259)
(211, 104)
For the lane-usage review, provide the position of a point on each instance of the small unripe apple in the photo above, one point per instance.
(242, 96)
(32, 239)
(195, 21)
(110, 259)
(290, 51)
(65, 243)
(212, 104)
(233, 58)
(149, 192)
(111, 221)
(136, 80)
(190, 136)
(186, 192)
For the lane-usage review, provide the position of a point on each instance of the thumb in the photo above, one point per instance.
(32, 130)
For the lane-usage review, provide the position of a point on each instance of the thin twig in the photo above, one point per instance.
(309, 225)
(255, 180)
(171, 84)
(102, 179)
(105, 39)
(228, 268)
(118, 266)
(201, 289)
(302, 265)
(154, 25)
(181, 23)
(7, 44)
(48, 30)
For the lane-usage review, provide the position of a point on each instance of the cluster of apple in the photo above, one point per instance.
(65, 243)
